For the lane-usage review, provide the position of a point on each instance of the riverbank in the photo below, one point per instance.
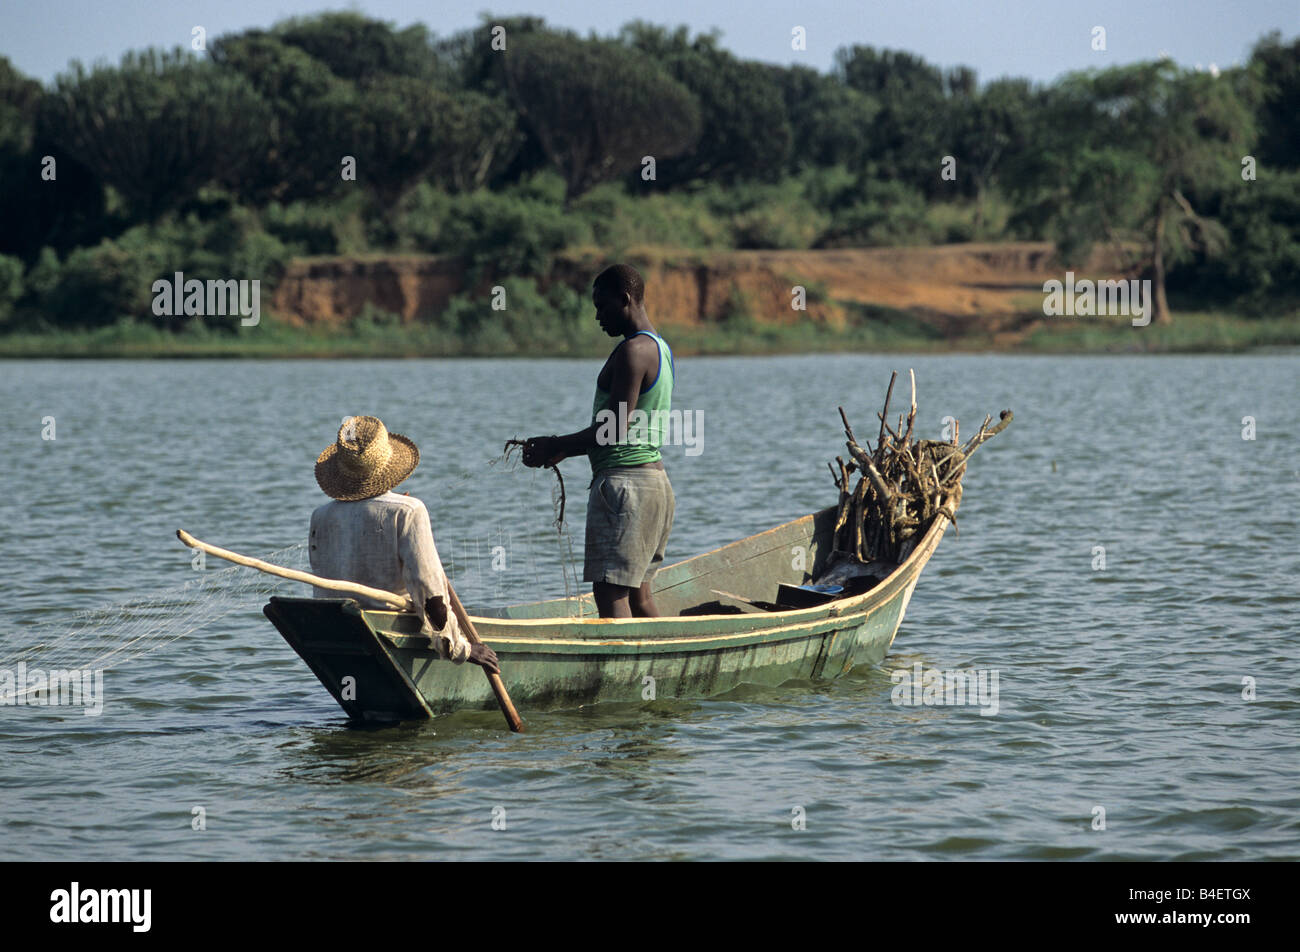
(948, 298)
(866, 330)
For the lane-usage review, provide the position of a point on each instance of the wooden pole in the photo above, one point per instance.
(498, 686)
(399, 602)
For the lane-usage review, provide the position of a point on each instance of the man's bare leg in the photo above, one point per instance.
(612, 600)
(642, 602)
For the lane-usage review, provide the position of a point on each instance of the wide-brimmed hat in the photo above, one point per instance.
(365, 461)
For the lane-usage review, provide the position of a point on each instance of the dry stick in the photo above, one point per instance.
(877, 480)
(884, 413)
(947, 460)
(890, 430)
(906, 483)
(398, 602)
(895, 495)
(913, 473)
(975, 440)
(859, 510)
(841, 514)
(911, 416)
(848, 430)
(1005, 417)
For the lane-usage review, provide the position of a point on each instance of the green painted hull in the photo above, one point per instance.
(551, 659)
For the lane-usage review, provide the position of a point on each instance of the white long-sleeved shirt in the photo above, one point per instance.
(385, 542)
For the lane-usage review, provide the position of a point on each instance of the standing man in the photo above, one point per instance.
(371, 535)
(630, 505)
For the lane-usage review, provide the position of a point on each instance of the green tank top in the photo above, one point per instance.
(647, 423)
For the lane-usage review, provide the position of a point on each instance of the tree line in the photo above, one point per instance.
(1192, 177)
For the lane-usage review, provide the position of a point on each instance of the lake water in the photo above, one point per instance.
(1126, 687)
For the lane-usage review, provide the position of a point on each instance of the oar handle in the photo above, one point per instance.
(498, 686)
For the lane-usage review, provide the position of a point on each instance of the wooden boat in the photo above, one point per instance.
(378, 668)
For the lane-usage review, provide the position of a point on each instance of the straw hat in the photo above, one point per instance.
(365, 461)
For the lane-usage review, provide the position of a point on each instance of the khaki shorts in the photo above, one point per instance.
(629, 515)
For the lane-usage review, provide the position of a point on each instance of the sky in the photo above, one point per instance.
(1039, 39)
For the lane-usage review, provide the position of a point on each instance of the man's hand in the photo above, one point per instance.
(542, 451)
(436, 609)
(485, 658)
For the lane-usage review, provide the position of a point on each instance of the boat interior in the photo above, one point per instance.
(760, 573)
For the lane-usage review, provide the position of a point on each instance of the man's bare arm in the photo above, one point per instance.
(480, 654)
(634, 364)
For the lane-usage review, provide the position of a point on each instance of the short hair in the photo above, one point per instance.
(621, 278)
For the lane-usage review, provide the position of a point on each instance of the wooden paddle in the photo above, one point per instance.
(398, 602)
(498, 686)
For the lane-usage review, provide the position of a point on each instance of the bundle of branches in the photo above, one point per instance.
(903, 484)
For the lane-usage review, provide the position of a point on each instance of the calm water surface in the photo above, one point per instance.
(1120, 687)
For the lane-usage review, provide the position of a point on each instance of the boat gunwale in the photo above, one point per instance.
(753, 626)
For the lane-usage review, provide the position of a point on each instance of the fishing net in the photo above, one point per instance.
(113, 635)
(529, 557)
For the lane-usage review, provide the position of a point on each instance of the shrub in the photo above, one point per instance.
(505, 235)
(11, 286)
(884, 213)
(554, 322)
(305, 228)
(95, 287)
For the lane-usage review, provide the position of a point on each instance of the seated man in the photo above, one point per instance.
(373, 536)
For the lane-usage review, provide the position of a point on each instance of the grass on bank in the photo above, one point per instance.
(1188, 332)
(870, 329)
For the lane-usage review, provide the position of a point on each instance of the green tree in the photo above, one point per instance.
(356, 47)
(401, 130)
(11, 286)
(909, 135)
(62, 212)
(1276, 67)
(830, 123)
(158, 126)
(597, 107)
(988, 128)
(300, 160)
(19, 98)
(481, 137)
(740, 103)
(473, 60)
(1262, 221)
(1126, 154)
